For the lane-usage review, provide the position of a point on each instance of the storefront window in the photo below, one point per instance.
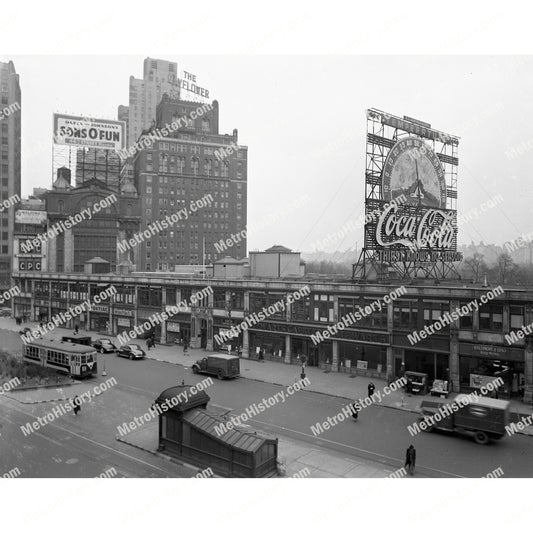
(41, 288)
(125, 295)
(466, 321)
(433, 310)
(237, 300)
(377, 319)
(171, 296)
(59, 290)
(406, 314)
(219, 297)
(78, 291)
(150, 296)
(301, 309)
(264, 301)
(516, 313)
(491, 318)
(323, 308)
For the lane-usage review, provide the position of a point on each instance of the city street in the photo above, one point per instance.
(379, 434)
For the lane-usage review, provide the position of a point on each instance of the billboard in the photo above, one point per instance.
(27, 216)
(89, 132)
(411, 191)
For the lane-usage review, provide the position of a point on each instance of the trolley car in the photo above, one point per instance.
(75, 359)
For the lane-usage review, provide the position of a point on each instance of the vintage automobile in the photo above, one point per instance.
(104, 345)
(133, 351)
(221, 365)
(417, 382)
(483, 419)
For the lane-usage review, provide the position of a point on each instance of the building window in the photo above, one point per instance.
(224, 172)
(206, 125)
(195, 165)
(181, 165)
(208, 167)
(516, 320)
(491, 318)
(406, 314)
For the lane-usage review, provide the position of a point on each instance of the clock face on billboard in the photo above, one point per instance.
(413, 169)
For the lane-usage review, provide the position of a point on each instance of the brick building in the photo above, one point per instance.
(190, 163)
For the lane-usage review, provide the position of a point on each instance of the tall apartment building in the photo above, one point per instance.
(159, 77)
(123, 114)
(192, 162)
(10, 128)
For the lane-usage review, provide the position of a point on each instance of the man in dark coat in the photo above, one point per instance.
(371, 389)
(410, 459)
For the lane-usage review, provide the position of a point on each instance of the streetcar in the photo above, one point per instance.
(77, 360)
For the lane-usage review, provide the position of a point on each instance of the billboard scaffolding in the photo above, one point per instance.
(410, 200)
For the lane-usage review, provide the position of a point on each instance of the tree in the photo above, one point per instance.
(506, 267)
(477, 264)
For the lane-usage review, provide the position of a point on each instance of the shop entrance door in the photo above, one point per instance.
(203, 333)
(313, 356)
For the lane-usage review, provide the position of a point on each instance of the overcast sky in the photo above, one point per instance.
(303, 120)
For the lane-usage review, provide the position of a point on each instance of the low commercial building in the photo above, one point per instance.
(395, 328)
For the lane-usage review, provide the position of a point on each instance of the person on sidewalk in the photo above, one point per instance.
(76, 329)
(371, 389)
(261, 358)
(148, 343)
(410, 459)
(355, 410)
(185, 347)
(77, 407)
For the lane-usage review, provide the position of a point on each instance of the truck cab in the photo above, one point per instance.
(221, 365)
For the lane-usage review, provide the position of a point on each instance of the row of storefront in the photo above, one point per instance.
(463, 354)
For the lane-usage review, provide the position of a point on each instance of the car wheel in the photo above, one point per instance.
(195, 370)
(101, 350)
(481, 437)
(220, 374)
(131, 357)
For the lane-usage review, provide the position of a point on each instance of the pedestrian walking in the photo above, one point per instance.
(410, 459)
(371, 389)
(261, 356)
(77, 406)
(185, 347)
(148, 343)
(76, 329)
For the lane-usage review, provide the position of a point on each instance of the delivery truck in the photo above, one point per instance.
(479, 417)
(221, 365)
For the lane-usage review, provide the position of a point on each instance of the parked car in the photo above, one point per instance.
(133, 351)
(222, 366)
(104, 345)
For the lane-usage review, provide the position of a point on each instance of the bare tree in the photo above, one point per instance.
(506, 267)
(477, 264)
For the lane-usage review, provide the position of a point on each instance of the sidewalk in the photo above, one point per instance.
(301, 460)
(331, 383)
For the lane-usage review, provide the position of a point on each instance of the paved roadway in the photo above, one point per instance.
(379, 434)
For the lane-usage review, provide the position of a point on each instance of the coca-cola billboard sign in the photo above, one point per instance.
(400, 225)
